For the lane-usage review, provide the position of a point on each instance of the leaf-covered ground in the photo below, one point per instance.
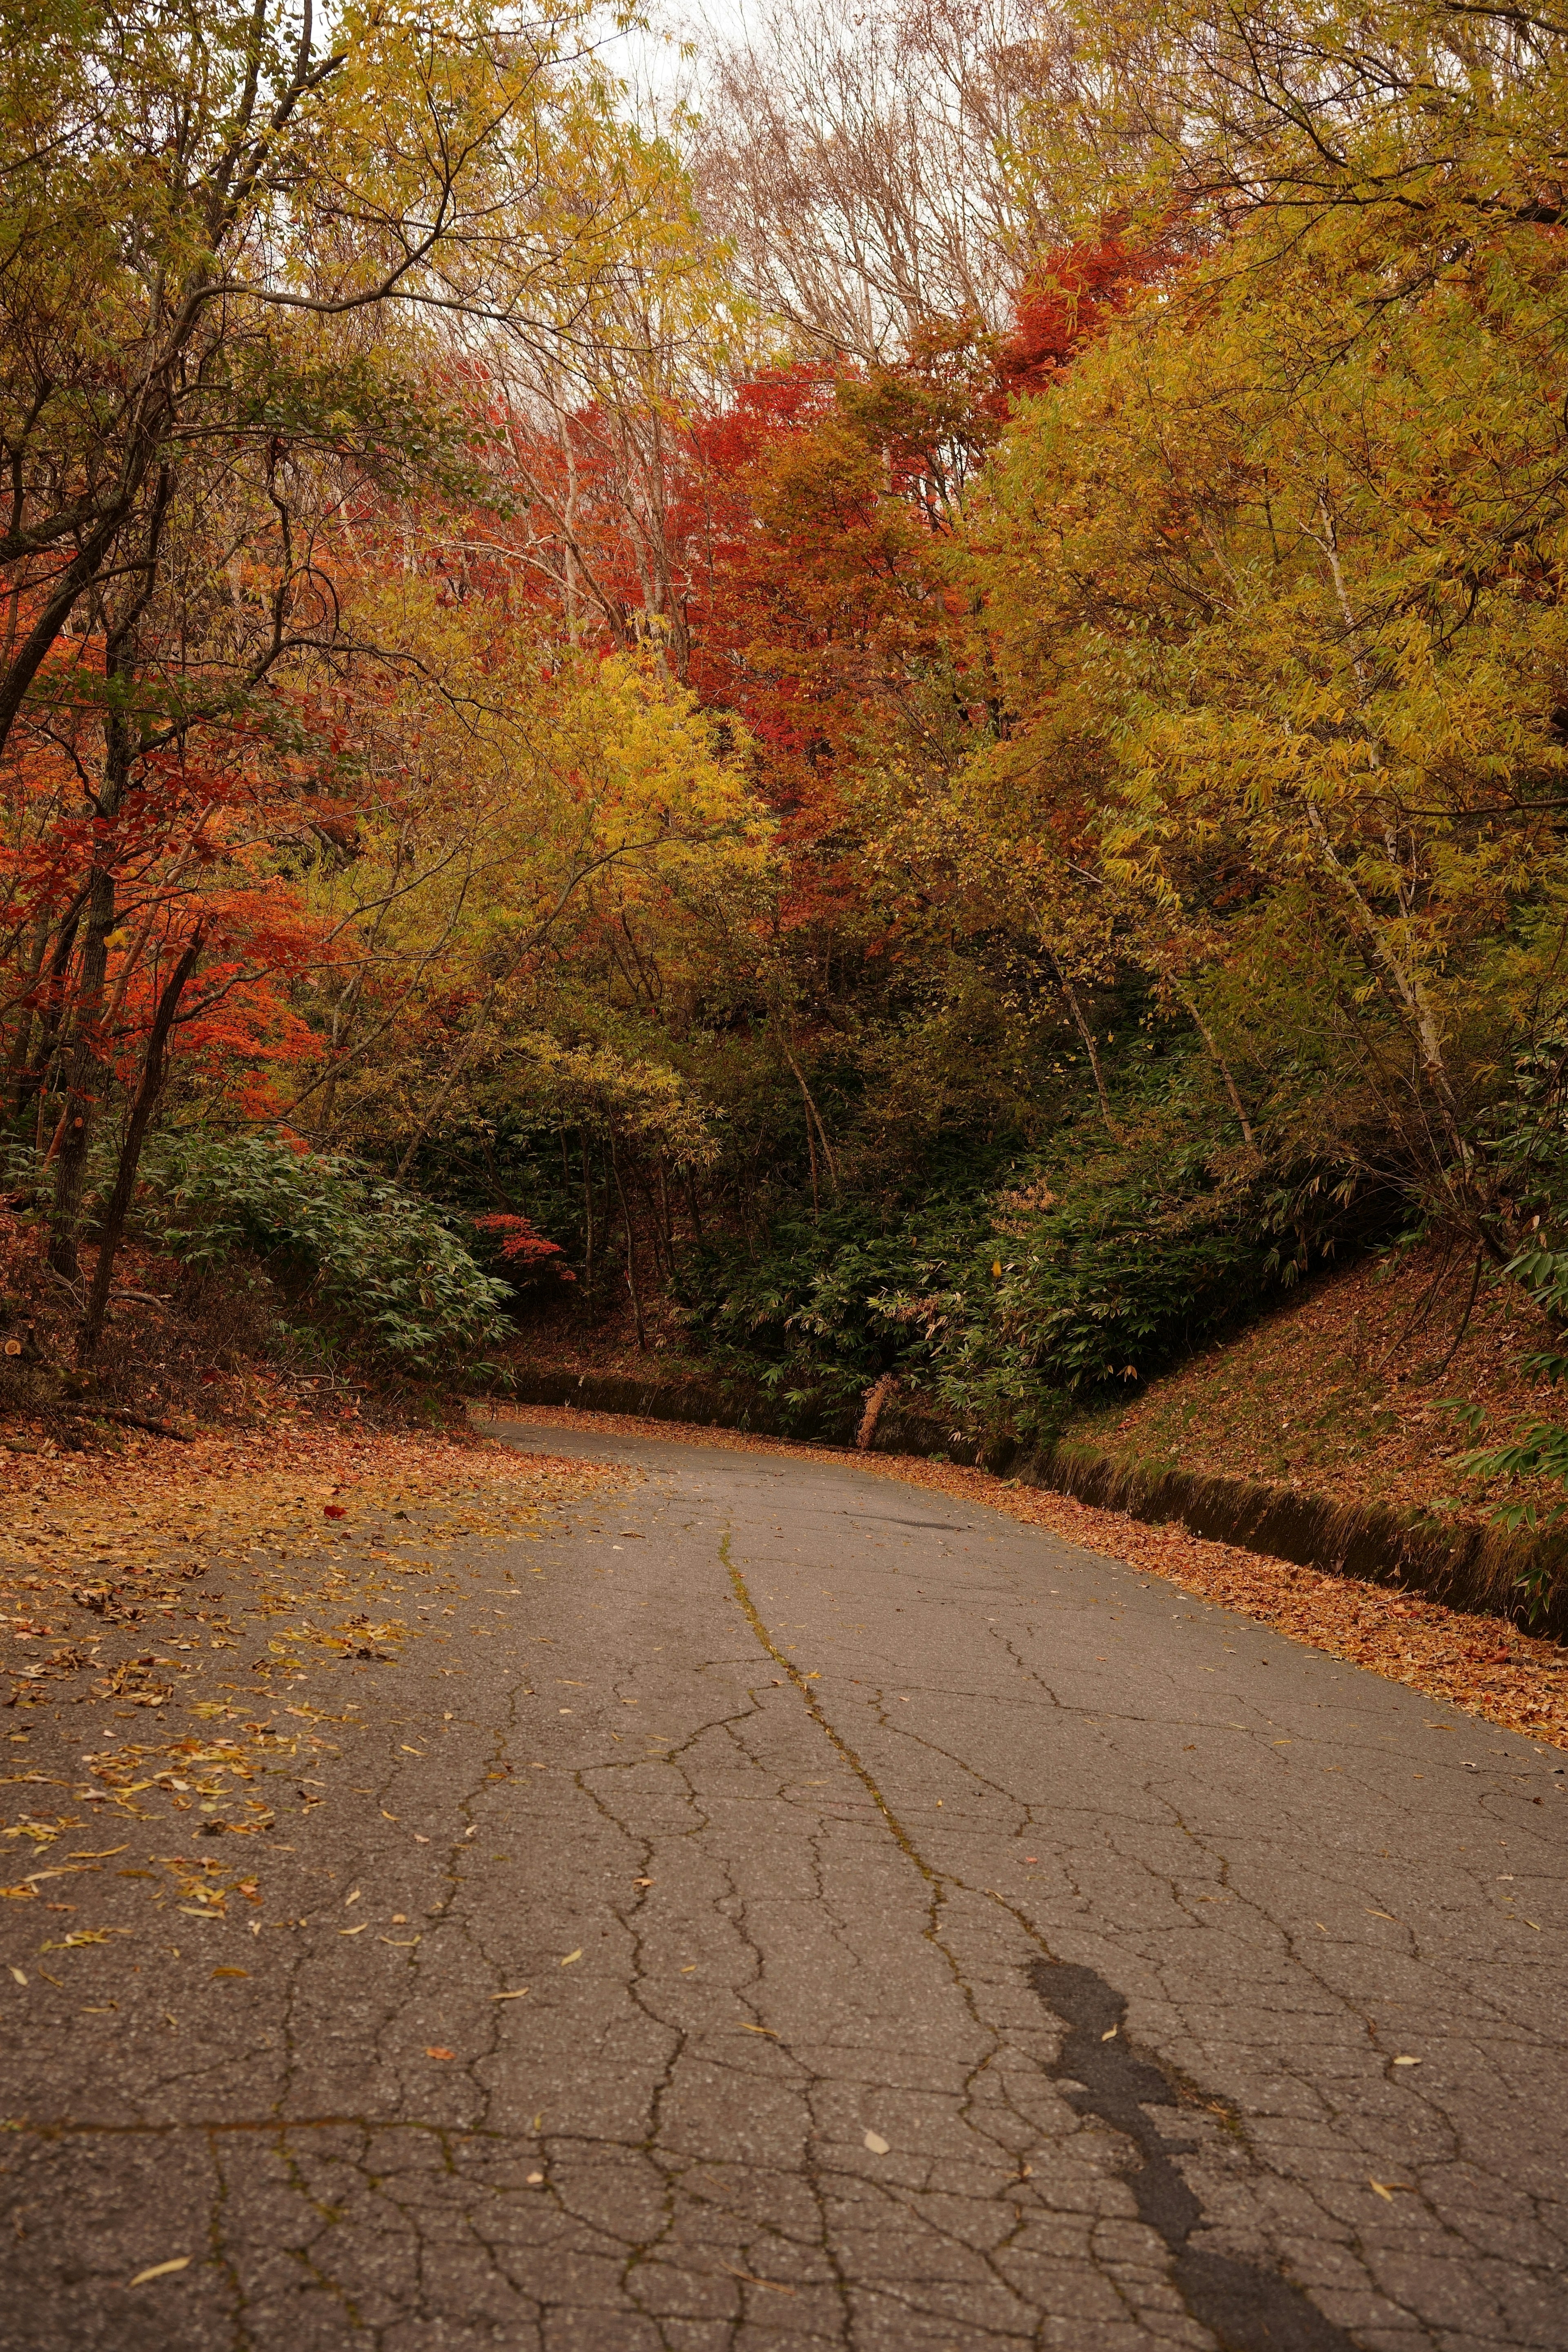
(1481, 1665)
(209, 1607)
(1349, 1388)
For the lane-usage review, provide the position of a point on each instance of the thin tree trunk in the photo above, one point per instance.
(587, 1217)
(1221, 1065)
(85, 1081)
(141, 1109)
(1087, 1033)
(631, 1245)
(813, 1116)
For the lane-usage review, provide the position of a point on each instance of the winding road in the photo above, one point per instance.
(791, 1928)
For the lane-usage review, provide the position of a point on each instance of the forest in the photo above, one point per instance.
(890, 698)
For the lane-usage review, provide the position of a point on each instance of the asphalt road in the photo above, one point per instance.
(904, 1972)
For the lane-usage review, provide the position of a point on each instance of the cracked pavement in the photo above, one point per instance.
(903, 1973)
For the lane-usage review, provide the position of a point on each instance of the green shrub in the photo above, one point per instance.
(352, 1245)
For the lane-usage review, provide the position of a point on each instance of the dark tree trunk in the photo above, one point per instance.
(141, 1109)
(631, 1245)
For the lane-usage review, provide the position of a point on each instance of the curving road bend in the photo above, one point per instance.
(905, 1972)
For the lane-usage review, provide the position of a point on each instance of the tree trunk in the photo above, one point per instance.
(631, 1245)
(84, 1082)
(587, 1218)
(141, 1109)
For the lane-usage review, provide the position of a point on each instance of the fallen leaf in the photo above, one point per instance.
(1385, 2188)
(399, 1943)
(1407, 2061)
(1111, 2036)
(758, 2029)
(877, 2144)
(333, 1511)
(354, 1931)
(231, 1972)
(102, 1854)
(21, 1979)
(571, 1957)
(440, 2053)
(510, 1996)
(773, 2284)
(351, 1898)
(161, 2270)
(1382, 1914)
(534, 2179)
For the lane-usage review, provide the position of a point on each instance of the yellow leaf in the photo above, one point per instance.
(510, 1996)
(102, 1854)
(877, 2144)
(571, 1957)
(161, 2270)
(1111, 2036)
(354, 1931)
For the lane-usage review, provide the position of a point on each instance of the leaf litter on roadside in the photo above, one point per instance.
(133, 1543)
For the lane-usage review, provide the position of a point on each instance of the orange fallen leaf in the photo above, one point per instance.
(440, 2053)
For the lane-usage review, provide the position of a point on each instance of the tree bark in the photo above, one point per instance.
(146, 1101)
(631, 1245)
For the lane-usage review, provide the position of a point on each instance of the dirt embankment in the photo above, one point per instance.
(1356, 1388)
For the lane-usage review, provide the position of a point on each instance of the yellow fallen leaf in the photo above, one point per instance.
(1407, 2061)
(231, 1972)
(399, 1943)
(571, 1957)
(351, 1898)
(1385, 2188)
(188, 1911)
(1111, 2036)
(510, 1996)
(875, 2143)
(161, 2270)
(757, 2028)
(101, 1854)
(21, 1979)
(1381, 1915)
(354, 1931)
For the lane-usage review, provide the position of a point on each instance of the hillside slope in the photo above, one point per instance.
(1350, 1389)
